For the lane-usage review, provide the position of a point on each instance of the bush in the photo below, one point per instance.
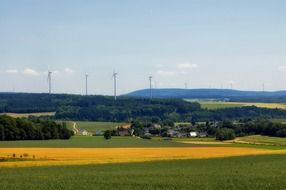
(107, 134)
(225, 134)
(146, 137)
(281, 133)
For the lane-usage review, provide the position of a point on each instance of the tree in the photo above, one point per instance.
(2, 133)
(225, 134)
(107, 134)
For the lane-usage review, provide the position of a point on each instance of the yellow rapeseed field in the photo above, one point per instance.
(81, 156)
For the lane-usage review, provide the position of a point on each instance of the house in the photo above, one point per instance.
(193, 134)
(198, 134)
(84, 132)
(124, 131)
(171, 133)
(203, 134)
(99, 133)
(156, 126)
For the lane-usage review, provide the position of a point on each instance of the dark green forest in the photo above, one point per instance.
(23, 129)
(125, 109)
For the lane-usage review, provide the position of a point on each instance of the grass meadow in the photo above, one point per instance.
(94, 127)
(258, 139)
(92, 142)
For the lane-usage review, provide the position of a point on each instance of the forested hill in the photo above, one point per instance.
(232, 95)
(125, 109)
(94, 108)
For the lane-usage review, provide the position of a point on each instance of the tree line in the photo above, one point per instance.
(228, 130)
(126, 109)
(256, 127)
(23, 129)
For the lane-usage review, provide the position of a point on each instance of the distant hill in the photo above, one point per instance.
(233, 95)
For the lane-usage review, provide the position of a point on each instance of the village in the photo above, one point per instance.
(151, 130)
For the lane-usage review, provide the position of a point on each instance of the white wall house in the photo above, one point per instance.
(193, 134)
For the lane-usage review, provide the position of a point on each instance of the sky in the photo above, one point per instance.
(198, 43)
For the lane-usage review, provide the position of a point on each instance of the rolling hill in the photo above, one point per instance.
(278, 96)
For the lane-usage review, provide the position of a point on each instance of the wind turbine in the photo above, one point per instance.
(231, 84)
(186, 85)
(50, 80)
(114, 76)
(151, 91)
(86, 83)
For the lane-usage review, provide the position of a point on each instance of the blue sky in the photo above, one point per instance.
(204, 43)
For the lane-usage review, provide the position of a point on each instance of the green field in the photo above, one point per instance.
(279, 120)
(237, 173)
(25, 115)
(222, 105)
(93, 127)
(93, 142)
(126, 142)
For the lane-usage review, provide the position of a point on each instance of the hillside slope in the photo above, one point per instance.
(279, 96)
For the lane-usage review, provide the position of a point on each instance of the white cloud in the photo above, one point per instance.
(282, 68)
(166, 73)
(188, 66)
(11, 71)
(30, 72)
(56, 72)
(230, 82)
(160, 65)
(69, 71)
(180, 69)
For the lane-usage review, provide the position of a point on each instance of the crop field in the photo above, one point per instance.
(25, 115)
(221, 105)
(82, 150)
(93, 127)
(86, 162)
(265, 172)
(81, 156)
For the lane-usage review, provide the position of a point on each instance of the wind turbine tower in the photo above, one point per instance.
(151, 90)
(114, 76)
(186, 85)
(50, 81)
(86, 84)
